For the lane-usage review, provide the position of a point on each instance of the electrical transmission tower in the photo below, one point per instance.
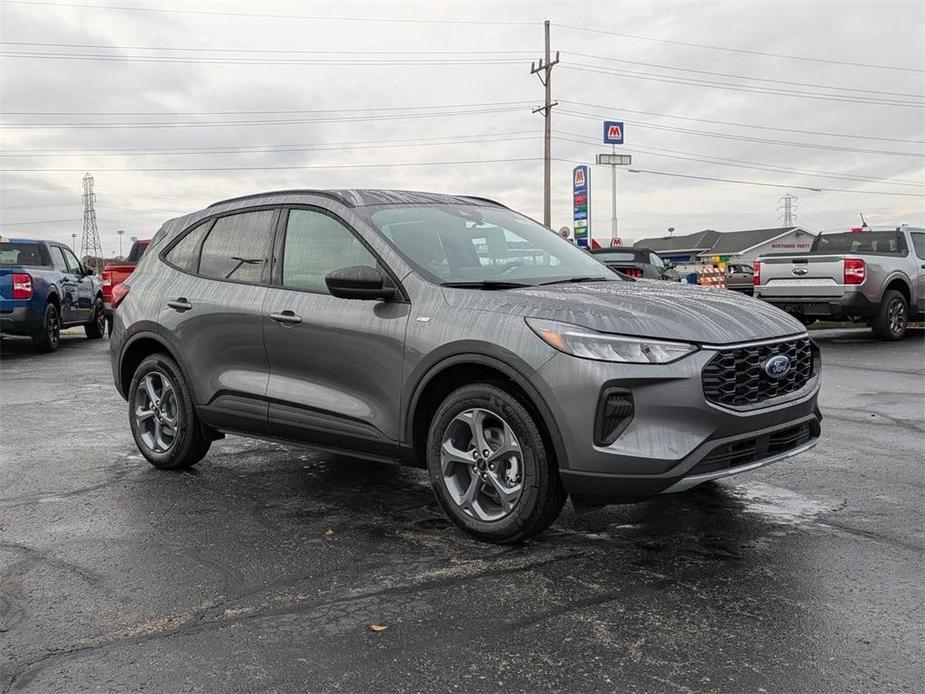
(90, 245)
(787, 210)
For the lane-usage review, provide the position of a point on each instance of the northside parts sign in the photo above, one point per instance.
(581, 194)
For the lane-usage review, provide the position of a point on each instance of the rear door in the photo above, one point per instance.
(85, 289)
(335, 364)
(216, 282)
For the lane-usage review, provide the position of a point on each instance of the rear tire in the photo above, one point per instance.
(162, 417)
(892, 319)
(48, 337)
(505, 497)
(96, 328)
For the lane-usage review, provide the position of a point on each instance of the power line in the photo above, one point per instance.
(745, 51)
(237, 123)
(745, 125)
(98, 57)
(742, 77)
(748, 89)
(270, 149)
(743, 164)
(44, 221)
(281, 168)
(256, 15)
(745, 138)
(522, 102)
(250, 50)
(776, 185)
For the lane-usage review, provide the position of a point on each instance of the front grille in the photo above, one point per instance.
(737, 378)
(739, 453)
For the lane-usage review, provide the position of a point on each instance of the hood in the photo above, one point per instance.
(645, 308)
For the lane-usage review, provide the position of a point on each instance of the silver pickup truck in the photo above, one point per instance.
(868, 275)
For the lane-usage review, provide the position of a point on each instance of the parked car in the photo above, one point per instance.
(44, 289)
(740, 277)
(370, 322)
(640, 263)
(116, 273)
(869, 275)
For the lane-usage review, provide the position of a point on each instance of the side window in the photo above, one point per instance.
(236, 248)
(57, 259)
(183, 254)
(71, 260)
(317, 244)
(918, 241)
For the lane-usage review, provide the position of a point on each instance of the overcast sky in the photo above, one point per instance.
(448, 84)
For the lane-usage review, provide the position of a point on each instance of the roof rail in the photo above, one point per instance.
(294, 191)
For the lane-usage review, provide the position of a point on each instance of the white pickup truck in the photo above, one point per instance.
(865, 275)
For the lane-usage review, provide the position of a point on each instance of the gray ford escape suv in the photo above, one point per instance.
(452, 333)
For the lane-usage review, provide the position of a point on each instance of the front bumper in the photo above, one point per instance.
(21, 320)
(676, 438)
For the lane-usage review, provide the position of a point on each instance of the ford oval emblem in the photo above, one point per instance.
(800, 271)
(777, 366)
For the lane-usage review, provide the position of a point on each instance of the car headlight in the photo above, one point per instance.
(590, 344)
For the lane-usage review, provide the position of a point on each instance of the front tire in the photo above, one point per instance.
(48, 337)
(489, 466)
(162, 416)
(96, 328)
(892, 319)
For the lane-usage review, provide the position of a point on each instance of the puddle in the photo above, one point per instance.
(781, 505)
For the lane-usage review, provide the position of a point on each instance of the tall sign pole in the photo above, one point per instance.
(613, 136)
(545, 67)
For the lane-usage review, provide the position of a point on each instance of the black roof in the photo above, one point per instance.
(359, 197)
(700, 241)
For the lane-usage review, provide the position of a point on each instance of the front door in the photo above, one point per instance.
(69, 283)
(335, 364)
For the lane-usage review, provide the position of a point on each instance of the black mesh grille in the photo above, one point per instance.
(614, 413)
(736, 377)
(731, 455)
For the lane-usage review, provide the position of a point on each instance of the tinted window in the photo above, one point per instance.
(656, 261)
(57, 259)
(918, 240)
(26, 254)
(183, 254)
(236, 248)
(73, 265)
(317, 244)
(861, 242)
(138, 249)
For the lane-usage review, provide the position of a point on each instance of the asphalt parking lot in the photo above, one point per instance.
(266, 566)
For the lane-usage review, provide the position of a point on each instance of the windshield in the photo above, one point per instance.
(861, 242)
(472, 243)
(25, 254)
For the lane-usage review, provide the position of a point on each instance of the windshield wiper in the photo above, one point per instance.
(486, 284)
(567, 280)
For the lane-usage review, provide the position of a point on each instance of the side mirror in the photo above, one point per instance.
(359, 282)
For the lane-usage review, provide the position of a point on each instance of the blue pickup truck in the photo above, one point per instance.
(43, 289)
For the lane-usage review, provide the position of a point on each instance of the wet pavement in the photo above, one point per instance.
(265, 567)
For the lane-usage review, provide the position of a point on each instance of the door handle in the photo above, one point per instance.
(180, 305)
(286, 318)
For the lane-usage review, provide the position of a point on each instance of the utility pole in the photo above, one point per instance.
(90, 244)
(545, 66)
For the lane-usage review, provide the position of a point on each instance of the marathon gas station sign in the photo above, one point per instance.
(581, 200)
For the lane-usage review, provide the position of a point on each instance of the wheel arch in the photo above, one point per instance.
(449, 372)
(138, 348)
(900, 284)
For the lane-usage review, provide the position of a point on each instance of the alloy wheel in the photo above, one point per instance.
(482, 464)
(156, 411)
(896, 317)
(53, 329)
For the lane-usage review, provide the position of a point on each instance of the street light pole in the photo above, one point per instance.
(120, 232)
